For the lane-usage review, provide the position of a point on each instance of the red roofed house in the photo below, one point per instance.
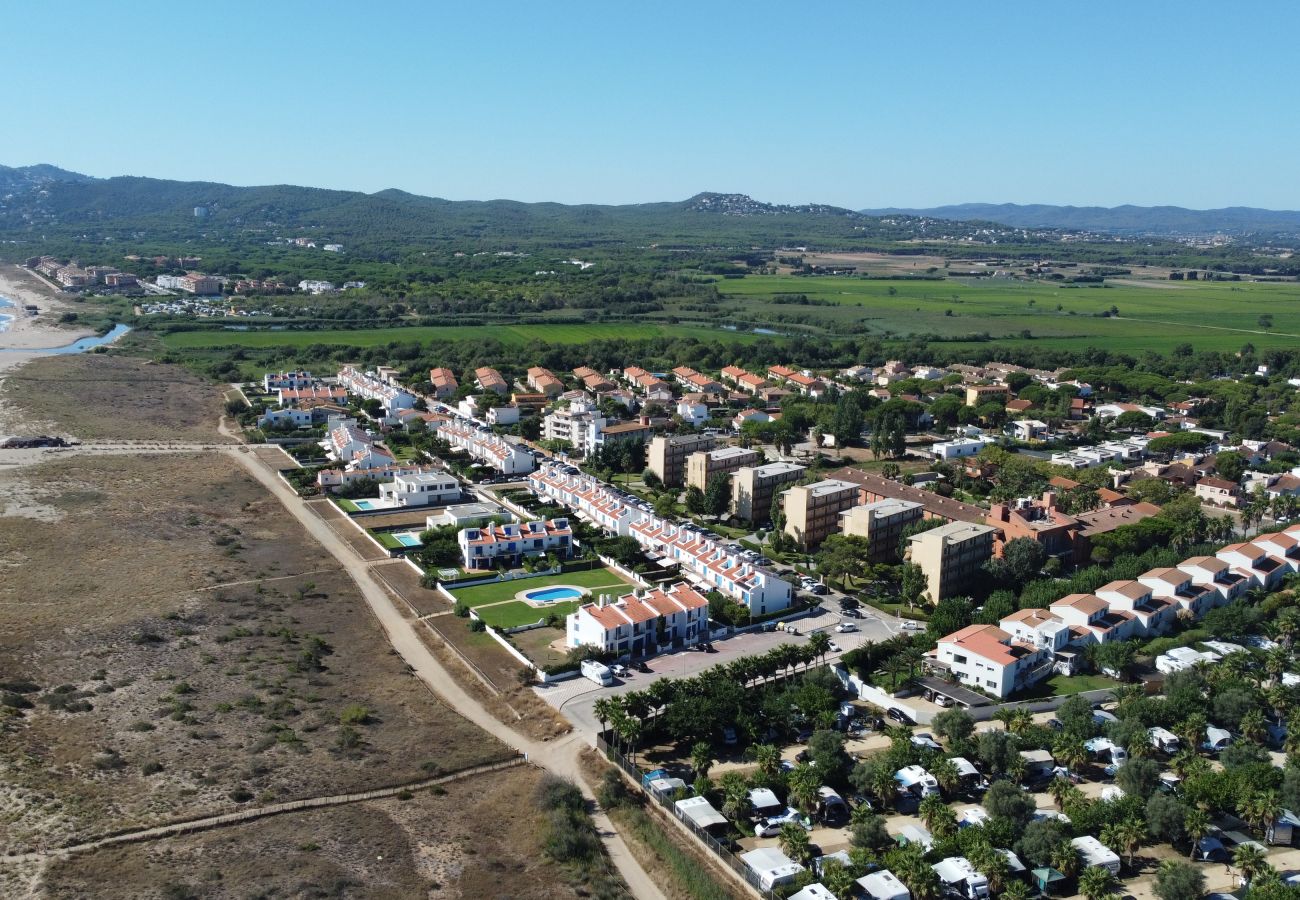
(484, 548)
(986, 657)
(641, 623)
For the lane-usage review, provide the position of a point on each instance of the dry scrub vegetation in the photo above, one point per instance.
(156, 664)
(95, 396)
(474, 838)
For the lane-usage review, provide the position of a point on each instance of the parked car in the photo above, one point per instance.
(833, 647)
(909, 625)
(846, 626)
(899, 716)
(619, 670)
(819, 589)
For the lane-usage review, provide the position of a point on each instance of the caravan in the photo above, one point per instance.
(1095, 853)
(1107, 751)
(960, 877)
(917, 781)
(1163, 740)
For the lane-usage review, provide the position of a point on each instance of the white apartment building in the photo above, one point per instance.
(641, 623)
(579, 424)
(991, 659)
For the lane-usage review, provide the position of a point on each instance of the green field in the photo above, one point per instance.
(512, 335)
(498, 591)
(1155, 315)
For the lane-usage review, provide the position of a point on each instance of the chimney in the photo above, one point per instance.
(1049, 499)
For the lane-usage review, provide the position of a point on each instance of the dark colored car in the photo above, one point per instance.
(899, 716)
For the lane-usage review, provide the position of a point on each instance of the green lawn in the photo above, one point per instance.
(505, 590)
(512, 335)
(345, 504)
(510, 615)
(1065, 685)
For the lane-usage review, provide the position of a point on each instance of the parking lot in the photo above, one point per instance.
(576, 697)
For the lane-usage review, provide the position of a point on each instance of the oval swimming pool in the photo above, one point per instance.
(550, 595)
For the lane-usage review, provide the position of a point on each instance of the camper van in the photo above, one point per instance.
(883, 885)
(960, 877)
(1163, 740)
(597, 671)
(916, 780)
(1095, 853)
(1107, 751)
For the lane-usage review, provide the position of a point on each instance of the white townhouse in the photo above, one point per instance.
(332, 478)
(641, 623)
(421, 489)
(1255, 563)
(1216, 575)
(1177, 585)
(1155, 615)
(371, 458)
(713, 566)
(369, 386)
(274, 381)
(346, 440)
(488, 448)
(1092, 620)
(290, 416)
(1283, 546)
(703, 560)
(485, 547)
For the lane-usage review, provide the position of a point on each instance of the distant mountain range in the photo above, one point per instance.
(49, 202)
(1159, 221)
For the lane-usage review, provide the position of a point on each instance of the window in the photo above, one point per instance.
(959, 659)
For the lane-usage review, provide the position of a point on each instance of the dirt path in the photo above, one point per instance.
(560, 757)
(248, 815)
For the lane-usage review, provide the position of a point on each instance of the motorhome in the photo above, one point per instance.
(597, 671)
(883, 885)
(960, 877)
(1095, 853)
(1163, 740)
(916, 780)
(1107, 751)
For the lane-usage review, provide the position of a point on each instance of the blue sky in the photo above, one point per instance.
(860, 104)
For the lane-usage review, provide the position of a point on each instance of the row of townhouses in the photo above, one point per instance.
(706, 562)
(641, 623)
(1032, 643)
(508, 543)
(373, 386)
(488, 448)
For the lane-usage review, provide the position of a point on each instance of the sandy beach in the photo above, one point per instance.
(24, 332)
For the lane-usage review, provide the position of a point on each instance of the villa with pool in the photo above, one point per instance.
(507, 544)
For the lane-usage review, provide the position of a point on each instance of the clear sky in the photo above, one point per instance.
(856, 103)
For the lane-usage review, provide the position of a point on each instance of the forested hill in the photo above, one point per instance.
(45, 201)
(1156, 221)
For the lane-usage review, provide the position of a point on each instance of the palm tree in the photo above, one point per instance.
(1132, 834)
(1253, 727)
(837, 879)
(603, 709)
(701, 758)
(1191, 731)
(991, 864)
(1072, 754)
(1017, 767)
(1261, 811)
(884, 786)
(1197, 825)
(736, 804)
(1126, 693)
(1065, 859)
(945, 772)
(1015, 890)
(911, 868)
(804, 782)
(1249, 859)
(794, 843)
(1061, 788)
(820, 643)
(894, 667)
(1096, 883)
(938, 816)
(768, 758)
(1014, 718)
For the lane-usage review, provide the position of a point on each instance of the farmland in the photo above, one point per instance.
(511, 335)
(1154, 315)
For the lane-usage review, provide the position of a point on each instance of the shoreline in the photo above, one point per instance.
(25, 337)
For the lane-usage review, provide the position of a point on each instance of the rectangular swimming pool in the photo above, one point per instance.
(407, 539)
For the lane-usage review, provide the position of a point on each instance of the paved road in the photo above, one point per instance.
(577, 697)
(560, 756)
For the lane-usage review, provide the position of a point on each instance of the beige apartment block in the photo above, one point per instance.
(703, 466)
(950, 555)
(667, 454)
(753, 487)
(882, 524)
(812, 511)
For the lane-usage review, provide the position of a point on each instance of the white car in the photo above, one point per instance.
(909, 625)
(846, 626)
(833, 647)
